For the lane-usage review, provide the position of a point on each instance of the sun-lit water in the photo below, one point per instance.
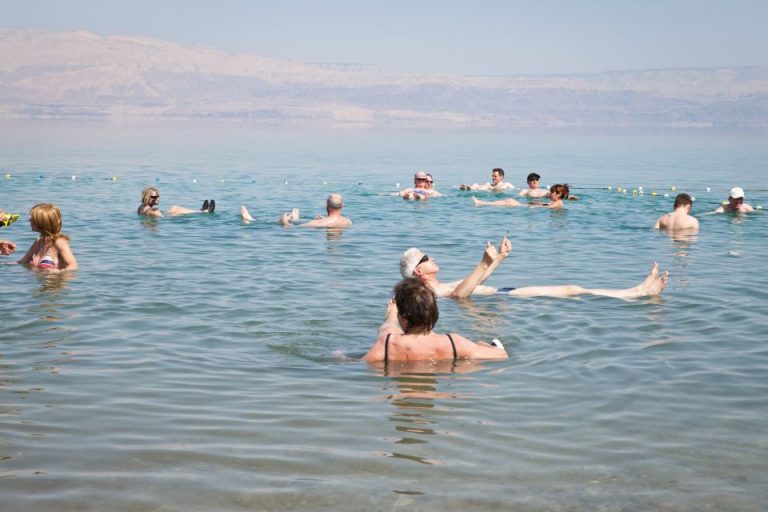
(200, 363)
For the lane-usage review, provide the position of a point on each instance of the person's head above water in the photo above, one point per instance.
(533, 180)
(45, 218)
(419, 179)
(334, 202)
(412, 260)
(682, 199)
(561, 189)
(149, 196)
(416, 306)
(736, 193)
(497, 176)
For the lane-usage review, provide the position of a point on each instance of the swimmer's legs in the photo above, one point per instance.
(651, 286)
(211, 206)
(205, 206)
(502, 202)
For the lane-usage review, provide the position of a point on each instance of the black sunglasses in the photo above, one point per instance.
(154, 197)
(423, 259)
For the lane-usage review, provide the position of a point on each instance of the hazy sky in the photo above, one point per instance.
(466, 37)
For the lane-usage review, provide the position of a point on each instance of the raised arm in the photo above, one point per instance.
(505, 246)
(491, 259)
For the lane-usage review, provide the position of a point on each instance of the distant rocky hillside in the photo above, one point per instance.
(78, 74)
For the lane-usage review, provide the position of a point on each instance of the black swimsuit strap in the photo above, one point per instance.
(386, 347)
(453, 346)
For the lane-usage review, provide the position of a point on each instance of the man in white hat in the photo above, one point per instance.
(415, 263)
(735, 202)
(421, 189)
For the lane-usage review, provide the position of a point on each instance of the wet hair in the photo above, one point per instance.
(148, 191)
(498, 170)
(562, 190)
(417, 304)
(532, 176)
(683, 200)
(335, 201)
(46, 218)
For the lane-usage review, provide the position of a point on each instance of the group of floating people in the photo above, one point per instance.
(411, 315)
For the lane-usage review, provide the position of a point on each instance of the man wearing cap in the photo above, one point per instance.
(335, 219)
(419, 190)
(735, 202)
(533, 189)
(680, 219)
(497, 183)
(415, 263)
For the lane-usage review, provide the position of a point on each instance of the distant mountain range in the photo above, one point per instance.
(83, 75)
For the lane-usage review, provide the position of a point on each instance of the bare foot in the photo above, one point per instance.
(294, 215)
(654, 283)
(475, 201)
(245, 215)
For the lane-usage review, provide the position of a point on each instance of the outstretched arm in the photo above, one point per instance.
(491, 259)
(481, 350)
(7, 247)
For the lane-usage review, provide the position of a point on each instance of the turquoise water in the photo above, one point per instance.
(200, 363)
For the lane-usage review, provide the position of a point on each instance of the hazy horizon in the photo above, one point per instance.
(490, 38)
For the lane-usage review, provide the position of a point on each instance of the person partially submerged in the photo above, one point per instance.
(150, 198)
(333, 206)
(407, 335)
(681, 218)
(415, 263)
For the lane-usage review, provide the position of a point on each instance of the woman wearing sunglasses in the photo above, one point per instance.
(150, 197)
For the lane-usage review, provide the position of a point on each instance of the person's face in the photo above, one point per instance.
(429, 182)
(554, 196)
(736, 202)
(420, 182)
(154, 198)
(495, 178)
(426, 265)
(533, 184)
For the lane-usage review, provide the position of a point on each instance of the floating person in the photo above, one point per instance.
(429, 186)
(333, 205)
(406, 334)
(150, 197)
(735, 202)
(420, 190)
(415, 263)
(497, 183)
(6, 219)
(7, 247)
(557, 193)
(51, 251)
(680, 219)
(533, 189)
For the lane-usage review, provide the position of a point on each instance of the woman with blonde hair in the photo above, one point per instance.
(150, 197)
(51, 251)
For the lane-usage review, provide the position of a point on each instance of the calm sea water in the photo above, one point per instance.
(200, 363)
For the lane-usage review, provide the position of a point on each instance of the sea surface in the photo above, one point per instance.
(200, 363)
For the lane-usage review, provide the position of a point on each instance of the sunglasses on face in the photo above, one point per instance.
(154, 197)
(423, 259)
(430, 181)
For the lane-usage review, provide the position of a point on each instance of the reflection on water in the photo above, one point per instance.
(413, 391)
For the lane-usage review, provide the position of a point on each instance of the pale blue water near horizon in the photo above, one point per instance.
(196, 363)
